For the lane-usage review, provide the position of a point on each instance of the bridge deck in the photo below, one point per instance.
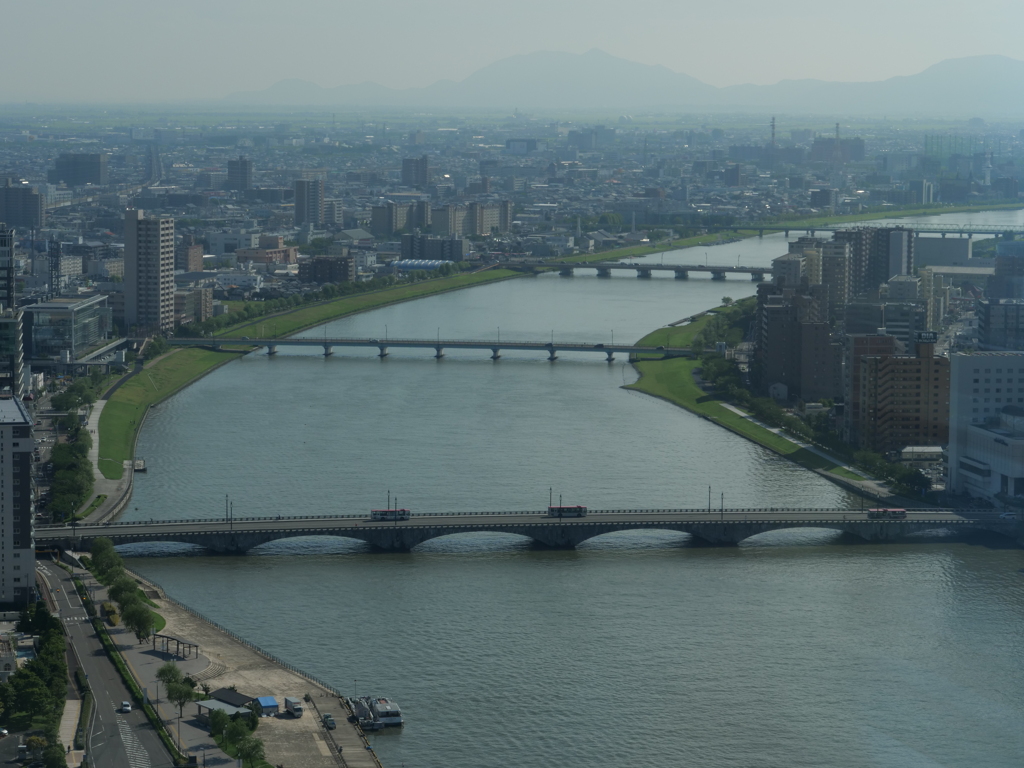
(486, 344)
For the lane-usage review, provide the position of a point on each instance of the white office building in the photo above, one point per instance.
(17, 512)
(986, 427)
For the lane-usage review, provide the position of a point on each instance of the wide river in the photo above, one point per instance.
(798, 648)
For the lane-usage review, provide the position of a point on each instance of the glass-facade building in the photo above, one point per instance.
(66, 325)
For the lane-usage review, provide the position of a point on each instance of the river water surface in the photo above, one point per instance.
(798, 648)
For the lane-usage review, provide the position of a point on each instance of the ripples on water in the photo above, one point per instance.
(798, 648)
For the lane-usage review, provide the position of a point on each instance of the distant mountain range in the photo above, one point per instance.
(980, 86)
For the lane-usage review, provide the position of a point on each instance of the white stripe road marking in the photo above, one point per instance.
(138, 757)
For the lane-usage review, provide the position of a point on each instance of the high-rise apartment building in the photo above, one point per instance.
(795, 355)
(148, 272)
(21, 205)
(986, 427)
(904, 400)
(309, 202)
(17, 512)
(877, 254)
(416, 171)
(240, 173)
(77, 170)
(858, 346)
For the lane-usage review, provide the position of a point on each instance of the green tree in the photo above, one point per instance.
(54, 757)
(219, 720)
(124, 591)
(31, 694)
(139, 619)
(235, 731)
(35, 744)
(169, 674)
(727, 300)
(250, 749)
(179, 694)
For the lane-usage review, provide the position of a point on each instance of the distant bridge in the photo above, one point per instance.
(962, 230)
(439, 346)
(605, 269)
(721, 527)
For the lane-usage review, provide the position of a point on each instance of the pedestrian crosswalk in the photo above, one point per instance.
(137, 755)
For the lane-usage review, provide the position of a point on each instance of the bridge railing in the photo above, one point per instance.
(973, 513)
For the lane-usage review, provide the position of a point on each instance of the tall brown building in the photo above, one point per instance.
(858, 346)
(904, 400)
(794, 347)
(188, 256)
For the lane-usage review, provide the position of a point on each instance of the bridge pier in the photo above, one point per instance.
(495, 353)
(552, 356)
(272, 349)
(717, 275)
(643, 273)
(611, 356)
(566, 272)
(439, 351)
(787, 232)
(603, 272)
(328, 350)
(682, 274)
(383, 351)
(757, 277)
(760, 233)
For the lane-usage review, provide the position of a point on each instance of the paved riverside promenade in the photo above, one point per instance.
(222, 662)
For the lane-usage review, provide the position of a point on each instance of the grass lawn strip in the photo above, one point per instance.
(672, 380)
(125, 409)
(299, 319)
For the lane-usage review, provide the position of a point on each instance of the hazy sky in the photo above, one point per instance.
(142, 50)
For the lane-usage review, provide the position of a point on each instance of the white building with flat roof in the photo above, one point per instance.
(986, 426)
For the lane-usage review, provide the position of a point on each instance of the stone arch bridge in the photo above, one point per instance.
(715, 527)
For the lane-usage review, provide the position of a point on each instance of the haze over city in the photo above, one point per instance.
(119, 51)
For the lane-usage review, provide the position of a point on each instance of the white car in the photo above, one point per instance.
(1008, 516)
(126, 706)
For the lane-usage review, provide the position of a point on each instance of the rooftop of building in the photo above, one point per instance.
(68, 302)
(12, 411)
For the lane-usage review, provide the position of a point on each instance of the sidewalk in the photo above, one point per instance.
(68, 726)
(143, 662)
(112, 489)
(867, 484)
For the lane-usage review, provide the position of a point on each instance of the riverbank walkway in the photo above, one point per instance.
(225, 662)
(866, 484)
(114, 490)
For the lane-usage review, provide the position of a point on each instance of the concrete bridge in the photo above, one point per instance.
(961, 230)
(716, 527)
(682, 271)
(552, 348)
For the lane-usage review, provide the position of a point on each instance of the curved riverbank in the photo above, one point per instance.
(164, 377)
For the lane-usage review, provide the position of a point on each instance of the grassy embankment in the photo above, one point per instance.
(672, 380)
(301, 318)
(162, 378)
